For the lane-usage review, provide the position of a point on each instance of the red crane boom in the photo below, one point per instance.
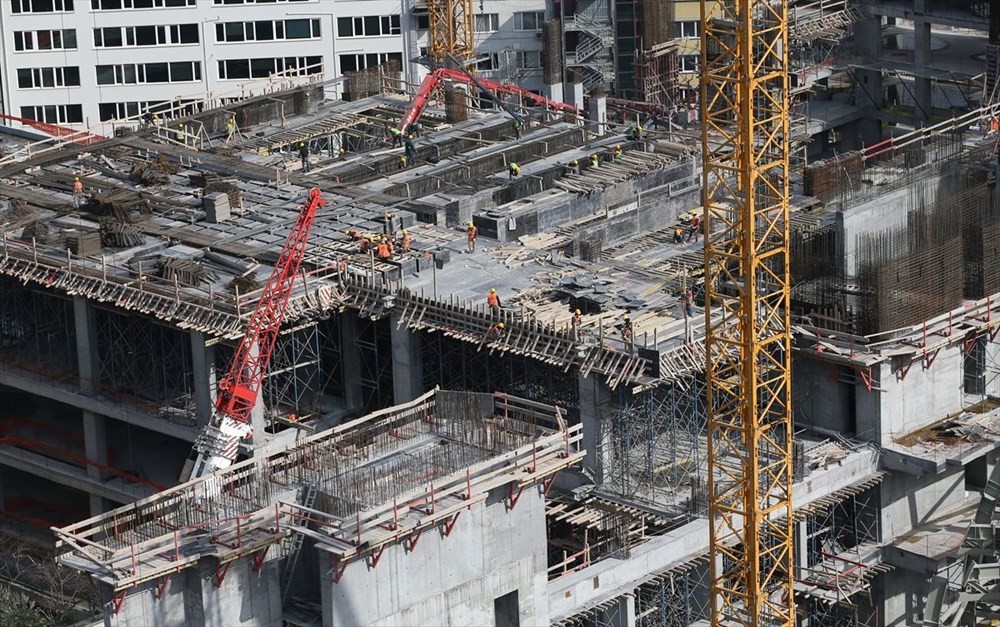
(237, 394)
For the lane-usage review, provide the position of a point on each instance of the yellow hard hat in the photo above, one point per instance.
(493, 290)
(470, 224)
(593, 156)
(76, 178)
(574, 162)
(578, 311)
(405, 232)
(639, 127)
(618, 146)
(410, 137)
(347, 231)
(500, 326)
(180, 126)
(301, 144)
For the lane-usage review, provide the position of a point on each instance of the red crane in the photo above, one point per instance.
(433, 80)
(218, 445)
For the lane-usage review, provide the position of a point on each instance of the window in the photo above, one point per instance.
(358, 62)
(42, 77)
(423, 21)
(255, 1)
(117, 36)
(529, 20)
(40, 6)
(690, 28)
(487, 22)
(55, 114)
(118, 5)
(234, 69)
(507, 611)
(132, 73)
(122, 110)
(529, 59)
(45, 40)
(491, 62)
(368, 26)
(269, 30)
(690, 63)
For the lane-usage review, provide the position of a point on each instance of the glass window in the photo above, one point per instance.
(181, 71)
(157, 73)
(301, 29)
(105, 75)
(234, 31)
(372, 25)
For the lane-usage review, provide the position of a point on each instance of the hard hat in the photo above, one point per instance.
(347, 232)
(493, 290)
(180, 126)
(405, 232)
(470, 224)
(574, 162)
(410, 137)
(618, 146)
(301, 144)
(500, 326)
(593, 156)
(578, 312)
(76, 178)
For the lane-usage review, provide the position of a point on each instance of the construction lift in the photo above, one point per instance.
(218, 445)
(745, 146)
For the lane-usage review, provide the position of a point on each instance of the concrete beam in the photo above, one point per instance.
(70, 395)
(901, 9)
(898, 461)
(203, 363)
(406, 384)
(72, 476)
(86, 345)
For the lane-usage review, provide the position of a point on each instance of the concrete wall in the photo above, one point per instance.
(908, 501)
(817, 399)
(450, 580)
(924, 397)
(245, 599)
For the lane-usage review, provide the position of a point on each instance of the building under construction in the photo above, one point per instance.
(421, 458)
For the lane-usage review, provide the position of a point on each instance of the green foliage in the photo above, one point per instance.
(17, 608)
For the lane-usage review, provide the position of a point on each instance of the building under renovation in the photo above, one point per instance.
(421, 458)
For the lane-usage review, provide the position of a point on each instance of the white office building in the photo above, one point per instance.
(86, 63)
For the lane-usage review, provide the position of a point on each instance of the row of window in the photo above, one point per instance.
(31, 78)
(688, 28)
(55, 114)
(268, 30)
(140, 73)
(690, 63)
(120, 36)
(256, 1)
(262, 68)
(368, 26)
(525, 59)
(117, 5)
(57, 6)
(524, 20)
(45, 40)
(40, 6)
(358, 62)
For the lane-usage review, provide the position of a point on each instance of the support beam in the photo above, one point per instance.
(350, 361)
(203, 362)
(86, 345)
(594, 397)
(405, 363)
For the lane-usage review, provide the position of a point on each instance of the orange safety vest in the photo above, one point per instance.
(472, 232)
(364, 245)
(383, 251)
(77, 187)
(493, 300)
(406, 243)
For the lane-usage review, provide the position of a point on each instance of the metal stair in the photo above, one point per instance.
(308, 499)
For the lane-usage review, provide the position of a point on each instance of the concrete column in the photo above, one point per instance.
(86, 345)
(350, 361)
(554, 92)
(594, 402)
(203, 362)
(257, 420)
(598, 114)
(405, 363)
(95, 441)
(921, 60)
(574, 95)
(868, 89)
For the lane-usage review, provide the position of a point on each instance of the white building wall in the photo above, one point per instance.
(206, 14)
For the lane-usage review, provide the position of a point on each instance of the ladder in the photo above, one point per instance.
(308, 499)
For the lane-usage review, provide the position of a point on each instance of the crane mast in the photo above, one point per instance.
(237, 393)
(745, 141)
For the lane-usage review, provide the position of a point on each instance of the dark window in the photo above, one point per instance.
(113, 37)
(71, 76)
(506, 612)
(105, 75)
(299, 29)
(157, 73)
(265, 31)
(145, 35)
(234, 31)
(69, 39)
(74, 114)
(348, 63)
(371, 25)
(24, 80)
(107, 111)
(261, 68)
(182, 71)
(188, 34)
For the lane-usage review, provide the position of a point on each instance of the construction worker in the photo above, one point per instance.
(365, 244)
(495, 331)
(493, 300)
(388, 224)
(181, 135)
(627, 333)
(343, 153)
(230, 129)
(693, 232)
(354, 235)
(574, 167)
(397, 136)
(411, 151)
(402, 162)
(156, 120)
(513, 170)
(678, 234)
(635, 133)
(77, 192)
(383, 250)
(595, 161)
(618, 151)
(576, 322)
(405, 245)
(471, 232)
(517, 127)
(304, 156)
(995, 125)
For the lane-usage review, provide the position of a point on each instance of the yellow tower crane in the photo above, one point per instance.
(745, 141)
(450, 31)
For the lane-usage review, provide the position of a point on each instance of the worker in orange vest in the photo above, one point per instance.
(471, 232)
(577, 321)
(77, 192)
(493, 300)
(365, 244)
(405, 247)
(383, 250)
(495, 331)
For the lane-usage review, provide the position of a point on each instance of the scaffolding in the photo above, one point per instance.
(381, 480)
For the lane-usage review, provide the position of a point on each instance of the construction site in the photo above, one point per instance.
(529, 411)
